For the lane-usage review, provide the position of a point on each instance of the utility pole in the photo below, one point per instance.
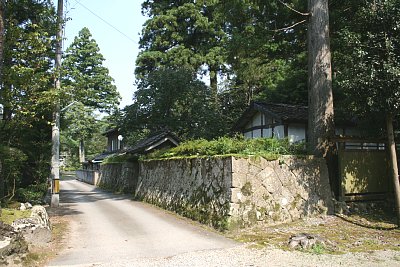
(55, 129)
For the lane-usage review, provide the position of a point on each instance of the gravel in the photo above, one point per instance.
(244, 256)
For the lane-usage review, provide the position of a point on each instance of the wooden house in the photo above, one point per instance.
(274, 120)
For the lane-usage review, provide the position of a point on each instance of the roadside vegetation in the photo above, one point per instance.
(356, 232)
(269, 148)
(8, 215)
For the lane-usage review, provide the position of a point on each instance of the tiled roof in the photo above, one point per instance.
(110, 131)
(280, 112)
(284, 111)
(102, 156)
(145, 144)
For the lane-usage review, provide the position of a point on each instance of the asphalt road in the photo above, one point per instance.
(107, 228)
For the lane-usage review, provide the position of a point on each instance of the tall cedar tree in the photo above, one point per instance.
(320, 97)
(186, 34)
(87, 81)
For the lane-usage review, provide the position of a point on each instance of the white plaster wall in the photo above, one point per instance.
(257, 133)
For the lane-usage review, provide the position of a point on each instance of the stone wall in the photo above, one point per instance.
(229, 192)
(278, 191)
(196, 188)
(88, 176)
(119, 177)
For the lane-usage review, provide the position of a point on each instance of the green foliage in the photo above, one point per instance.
(319, 249)
(26, 97)
(234, 42)
(13, 164)
(370, 84)
(171, 98)
(267, 63)
(186, 34)
(265, 147)
(27, 60)
(33, 193)
(119, 159)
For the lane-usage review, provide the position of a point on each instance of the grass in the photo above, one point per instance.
(351, 233)
(10, 215)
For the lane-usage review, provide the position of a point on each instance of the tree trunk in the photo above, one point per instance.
(1, 35)
(393, 164)
(320, 99)
(214, 85)
(81, 151)
(1, 74)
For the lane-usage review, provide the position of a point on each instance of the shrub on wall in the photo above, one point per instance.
(269, 148)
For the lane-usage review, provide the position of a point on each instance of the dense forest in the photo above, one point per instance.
(200, 65)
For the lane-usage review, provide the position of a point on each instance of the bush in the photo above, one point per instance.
(13, 164)
(266, 147)
(33, 194)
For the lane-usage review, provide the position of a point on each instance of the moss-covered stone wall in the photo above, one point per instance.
(197, 188)
(229, 192)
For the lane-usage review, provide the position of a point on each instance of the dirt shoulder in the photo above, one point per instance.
(358, 232)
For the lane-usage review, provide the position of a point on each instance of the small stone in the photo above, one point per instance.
(22, 207)
(28, 205)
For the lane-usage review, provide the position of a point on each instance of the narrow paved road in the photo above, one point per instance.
(107, 229)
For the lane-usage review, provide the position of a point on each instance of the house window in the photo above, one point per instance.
(364, 146)
(114, 144)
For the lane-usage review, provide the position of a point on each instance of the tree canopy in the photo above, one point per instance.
(170, 98)
(25, 95)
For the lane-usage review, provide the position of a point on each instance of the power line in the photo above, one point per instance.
(105, 21)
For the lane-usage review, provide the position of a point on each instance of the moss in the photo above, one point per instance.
(10, 215)
(117, 159)
(247, 189)
(296, 201)
(252, 216)
(196, 208)
(277, 207)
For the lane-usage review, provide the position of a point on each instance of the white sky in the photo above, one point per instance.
(119, 51)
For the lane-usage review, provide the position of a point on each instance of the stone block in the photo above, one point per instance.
(240, 166)
(237, 195)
